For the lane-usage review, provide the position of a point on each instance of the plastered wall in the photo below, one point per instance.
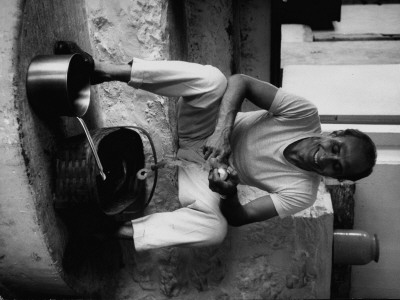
(32, 239)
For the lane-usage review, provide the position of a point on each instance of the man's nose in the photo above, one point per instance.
(329, 157)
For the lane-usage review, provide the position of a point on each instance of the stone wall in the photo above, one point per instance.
(119, 31)
(33, 238)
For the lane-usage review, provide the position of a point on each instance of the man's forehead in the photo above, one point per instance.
(348, 140)
(353, 155)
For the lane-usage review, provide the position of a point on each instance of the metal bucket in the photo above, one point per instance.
(77, 183)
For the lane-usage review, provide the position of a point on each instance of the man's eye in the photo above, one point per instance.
(337, 167)
(335, 149)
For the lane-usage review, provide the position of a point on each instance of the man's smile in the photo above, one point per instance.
(316, 158)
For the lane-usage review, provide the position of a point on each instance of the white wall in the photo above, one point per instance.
(347, 89)
(367, 19)
(354, 90)
(377, 210)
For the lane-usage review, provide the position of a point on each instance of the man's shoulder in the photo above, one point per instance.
(299, 185)
(292, 105)
(301, 195)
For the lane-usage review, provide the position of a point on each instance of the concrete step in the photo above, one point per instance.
(340, 53)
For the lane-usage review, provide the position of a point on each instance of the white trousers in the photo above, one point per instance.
(199, 222)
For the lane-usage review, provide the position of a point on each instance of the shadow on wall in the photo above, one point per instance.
(75, 261)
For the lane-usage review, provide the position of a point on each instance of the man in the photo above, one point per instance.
(279, 149)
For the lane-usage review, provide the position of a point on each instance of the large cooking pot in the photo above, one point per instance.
(121, 150)
(59, 85)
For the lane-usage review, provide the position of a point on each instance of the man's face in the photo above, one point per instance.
(333, 156)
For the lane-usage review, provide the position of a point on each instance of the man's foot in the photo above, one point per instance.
(125, 231)
(67, 47)
(118, 231)
(97, 73)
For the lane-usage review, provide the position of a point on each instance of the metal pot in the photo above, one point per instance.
(77, 185)
(59, 85)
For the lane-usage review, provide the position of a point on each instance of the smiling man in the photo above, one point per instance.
(342, 155)
(279, 149)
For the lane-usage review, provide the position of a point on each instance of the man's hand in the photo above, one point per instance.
(217, 182)
(217, 146)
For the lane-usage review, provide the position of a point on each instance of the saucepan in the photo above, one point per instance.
(60, 85)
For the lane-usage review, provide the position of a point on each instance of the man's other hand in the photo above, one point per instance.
(217, 146)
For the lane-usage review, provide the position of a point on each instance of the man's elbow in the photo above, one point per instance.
(240, 83)
(236, 222)
(236, 79)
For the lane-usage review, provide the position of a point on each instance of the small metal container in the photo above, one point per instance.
(354, 247)
(59, 85)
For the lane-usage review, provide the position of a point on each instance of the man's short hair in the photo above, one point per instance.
(369, 151)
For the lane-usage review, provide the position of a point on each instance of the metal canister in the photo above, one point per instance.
(354, 247)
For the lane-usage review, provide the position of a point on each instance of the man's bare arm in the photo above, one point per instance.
(236, 214)
(240, 87)
(260, 209)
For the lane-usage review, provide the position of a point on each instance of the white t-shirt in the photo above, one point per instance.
(258, 141)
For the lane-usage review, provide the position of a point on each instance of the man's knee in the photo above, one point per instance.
(217, 81)
(217, 231)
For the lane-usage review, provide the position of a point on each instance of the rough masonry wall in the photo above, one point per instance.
(119, 31)
(32, 237)
(209, 33)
